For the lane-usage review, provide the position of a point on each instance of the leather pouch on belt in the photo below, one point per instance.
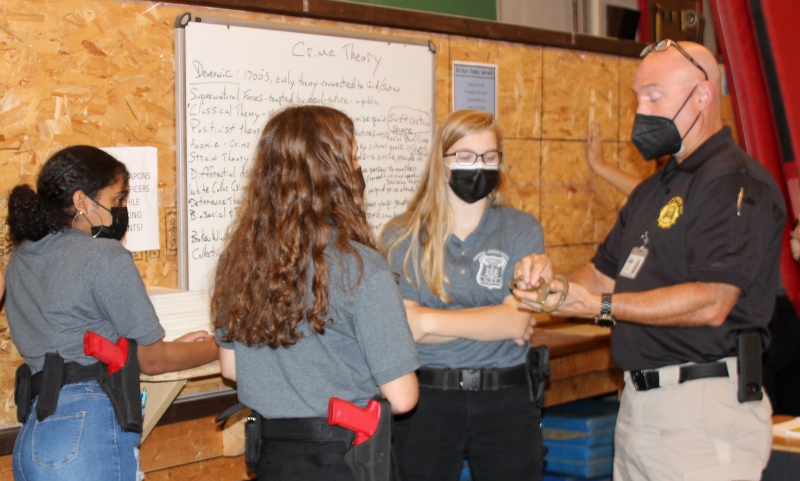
(537, 363)
(122, 389)
(372, 459)
(22, 392)
(252, 440)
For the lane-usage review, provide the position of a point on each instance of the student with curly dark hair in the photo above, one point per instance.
(305, 308)
(69, 274)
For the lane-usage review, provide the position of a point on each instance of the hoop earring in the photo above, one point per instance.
(72, 225)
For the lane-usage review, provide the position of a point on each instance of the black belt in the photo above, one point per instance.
(73, 372)
(649, 379)
(304, 429)
(472, 379)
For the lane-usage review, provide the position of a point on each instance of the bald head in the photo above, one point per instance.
(668, 84)
(672, 66)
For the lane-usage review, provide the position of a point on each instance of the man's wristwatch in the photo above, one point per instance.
(605, 319)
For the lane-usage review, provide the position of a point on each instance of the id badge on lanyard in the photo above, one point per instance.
(635, 260)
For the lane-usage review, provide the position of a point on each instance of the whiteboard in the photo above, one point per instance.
(231, 75)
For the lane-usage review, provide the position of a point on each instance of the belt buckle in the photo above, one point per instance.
(645, 380)
(469, 379)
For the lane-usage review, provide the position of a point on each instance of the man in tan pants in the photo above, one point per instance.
(690, 265)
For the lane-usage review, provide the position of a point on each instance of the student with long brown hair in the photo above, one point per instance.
(453, 251)
(304, 307)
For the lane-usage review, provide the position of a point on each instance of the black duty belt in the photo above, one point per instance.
(649, 379)
(304, 429)
(472, 379)
(73, 372)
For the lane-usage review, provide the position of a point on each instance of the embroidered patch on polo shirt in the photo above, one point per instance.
(669, 213)
(492, 265)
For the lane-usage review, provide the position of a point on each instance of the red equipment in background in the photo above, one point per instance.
(758, 42)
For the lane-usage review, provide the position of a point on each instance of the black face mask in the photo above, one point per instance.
(474, 184)
(118, 227)
(656, 136)
(362, 184)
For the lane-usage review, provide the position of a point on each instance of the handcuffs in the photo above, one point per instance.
(543, 291)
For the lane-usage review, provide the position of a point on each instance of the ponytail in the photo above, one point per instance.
(30, 217)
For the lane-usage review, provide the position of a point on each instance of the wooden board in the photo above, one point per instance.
(585, 385)
(782, 443)
(181, 443)
(216, 469)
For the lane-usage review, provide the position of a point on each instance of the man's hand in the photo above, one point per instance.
(529, 271)
(594, 146)
(794, 242)
(578, 301)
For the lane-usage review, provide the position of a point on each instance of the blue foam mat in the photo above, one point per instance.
(597, 467)
(567, 477)
(578, 453)
(578, 438)
(588, 416)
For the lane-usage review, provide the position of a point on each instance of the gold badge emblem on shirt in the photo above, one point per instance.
(669, 213)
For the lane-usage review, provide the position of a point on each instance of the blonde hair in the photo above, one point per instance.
(428, 219)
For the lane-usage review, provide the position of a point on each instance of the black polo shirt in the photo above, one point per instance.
(689, 212)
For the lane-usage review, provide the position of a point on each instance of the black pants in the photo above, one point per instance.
(498, 430)
(302, 461)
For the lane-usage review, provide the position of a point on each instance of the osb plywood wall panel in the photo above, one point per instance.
(101, 72)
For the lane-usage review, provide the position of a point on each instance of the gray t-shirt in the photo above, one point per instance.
(368, 343)
(480, 269)
(68, 283)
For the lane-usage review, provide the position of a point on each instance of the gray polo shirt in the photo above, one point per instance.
(480, 269)
(367, 344)
(68, 283)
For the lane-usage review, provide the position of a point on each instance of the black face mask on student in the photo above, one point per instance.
(655, 136)
(472, 185)
(118, 227)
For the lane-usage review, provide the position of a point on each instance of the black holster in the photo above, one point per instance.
(749, 349)
(51, 384)
(252, 433)
(537, 363)
(372, 459)
(122, 389)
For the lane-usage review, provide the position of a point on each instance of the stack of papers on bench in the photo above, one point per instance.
(181, 312)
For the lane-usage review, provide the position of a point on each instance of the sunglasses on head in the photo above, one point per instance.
(667, 43)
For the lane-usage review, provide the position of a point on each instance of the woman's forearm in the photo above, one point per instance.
(488, 323)
(162, 357)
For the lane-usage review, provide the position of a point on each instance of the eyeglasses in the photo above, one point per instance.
(466, 157)
(667, 43)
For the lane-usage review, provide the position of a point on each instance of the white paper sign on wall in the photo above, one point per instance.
(142, 164)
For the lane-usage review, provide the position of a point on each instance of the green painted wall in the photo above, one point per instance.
(486, 9)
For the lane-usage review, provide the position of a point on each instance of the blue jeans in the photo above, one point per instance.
(81, 441)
